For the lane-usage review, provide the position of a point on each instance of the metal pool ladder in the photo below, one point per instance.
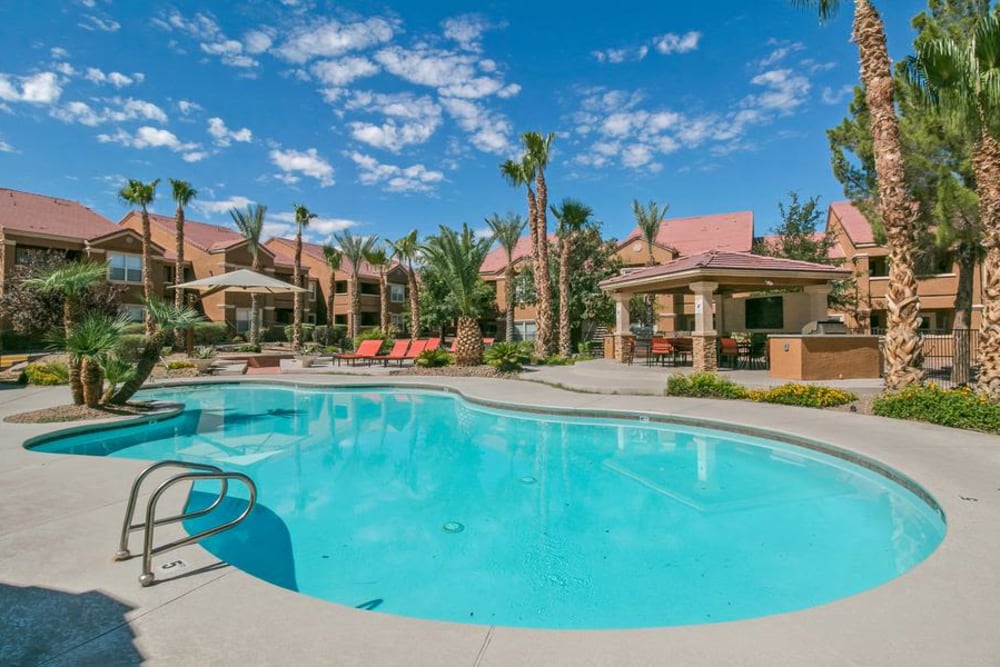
(194, 472)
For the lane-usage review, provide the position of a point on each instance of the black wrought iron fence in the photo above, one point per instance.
(950, 357)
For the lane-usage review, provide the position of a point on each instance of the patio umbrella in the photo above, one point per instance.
(242, 280)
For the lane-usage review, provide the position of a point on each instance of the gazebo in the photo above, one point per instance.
(714, 277)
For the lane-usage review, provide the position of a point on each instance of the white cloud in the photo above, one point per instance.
(258, 41)
(148, 137)
(332, 38)
(212, 40)
(92, 23)
(673, 43)
(219, 206)
(6, 148)
(116, 110)
(309, 163)
(187, 106)
(319, 229)
(836, 96)
(415, 178)
(452, 74)
(223, 136)
(781, 50)
(41, 88)
(116, 79)
(411, 119)
(195, 156)
(488, 131)
(467, 30)
(337, 73)
(59, 53)
(785, 91)
(617, 56)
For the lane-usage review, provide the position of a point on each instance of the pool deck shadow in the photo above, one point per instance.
(60, 516)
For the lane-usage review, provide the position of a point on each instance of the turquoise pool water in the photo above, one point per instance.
(421, 504)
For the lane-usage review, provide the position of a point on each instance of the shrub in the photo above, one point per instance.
(704, 385)
(11, 341)
(248, 347)
(432, 359)
(556, 360)
(203, 352)
(210, 333)
(505, 356)
(806, 395)
(47, 374)
(237, 339)
(958, 408)
(308, 330)
(177, 365)
(134, 328)
(130, 347)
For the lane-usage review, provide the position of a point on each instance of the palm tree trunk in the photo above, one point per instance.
(508, 279)
(902, 341)
(93, 382)
(147, 268)
(961, 365)
(331, 319)
(541, 349)
(411, 277)
(75, 380)
(543, 283)
(297, 296)
(986, 162)
(147, 361)
(468, 342)
(255, 319)
(383, 302)
(179, 270)
(565, 340)
(352, 325)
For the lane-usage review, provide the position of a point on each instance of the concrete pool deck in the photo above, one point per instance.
(63, 601)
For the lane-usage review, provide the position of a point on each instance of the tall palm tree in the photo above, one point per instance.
(71, 281)
(538, 151)
(406, 251)
(507, 231)
(250, 224)
(90, 342)
(378, 257)
(302, 217)
(961, 82)
(183, 193)
(457, 257)
(354, 248)
(137, 193)
(572, 215)
(333, 259)
(649, 218)
(902, 340)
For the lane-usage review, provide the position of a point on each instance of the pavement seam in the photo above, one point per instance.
(486, 644)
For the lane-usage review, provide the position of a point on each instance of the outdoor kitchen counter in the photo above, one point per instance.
(824, 356)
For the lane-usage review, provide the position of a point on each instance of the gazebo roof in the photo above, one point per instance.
(733, 271)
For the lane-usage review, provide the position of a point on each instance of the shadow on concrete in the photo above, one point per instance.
(41, 624)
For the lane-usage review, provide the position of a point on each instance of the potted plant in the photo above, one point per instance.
(307, 355)
(203, 357)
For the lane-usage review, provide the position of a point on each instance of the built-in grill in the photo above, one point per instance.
(824, 328)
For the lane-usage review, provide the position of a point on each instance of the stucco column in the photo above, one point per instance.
(624, 341)
(703, 337)
(818, 297)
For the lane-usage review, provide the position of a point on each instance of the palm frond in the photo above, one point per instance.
(826, 9)
(537, 148)
(648, 218)
(507, 231)
(169, 317)
(355, 247)
(93, 336)
(457, 257)
(138, 193)
(70, 279)
(572, 215)
(303, 215)
(182, 192)
(250, 224)
(407, 248)
(333, 257)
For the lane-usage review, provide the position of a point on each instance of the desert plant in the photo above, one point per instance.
(704, 385)
(203, 352)
(47, 374)
(958, 408)
(433, 359)
(506, 356)
(805, 395)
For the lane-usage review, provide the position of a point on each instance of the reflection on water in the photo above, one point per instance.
(622, 524)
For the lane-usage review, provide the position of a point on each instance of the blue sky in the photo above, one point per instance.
(386, 117)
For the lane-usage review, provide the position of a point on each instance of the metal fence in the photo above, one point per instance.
(950, 357)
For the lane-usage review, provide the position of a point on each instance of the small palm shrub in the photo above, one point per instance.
(507, 357)
(248, 347)
(46, 374)
(178, 365)
(210, 333)
(704, 385)
(130, 346)
(806, 395)
(432, 359)
(958, 408)
(556, 360)
(203, 352)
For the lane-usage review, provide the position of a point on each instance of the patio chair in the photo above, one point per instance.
(433, 343)
(398, 352)
(683, 349)
(416, 347)
(659, 350)
(367, 350)
(729, 349)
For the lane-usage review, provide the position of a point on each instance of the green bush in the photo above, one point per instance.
(177, 365)
(134, 328)
(46, 374)
(130, 347)
(958, 408)
(556, 360)
(704, 385)
(210, 333)
(308, 331)
(806, 395)
(506, 356)
(11, 341)
(335, 334)
(248, 347)
(432, 359)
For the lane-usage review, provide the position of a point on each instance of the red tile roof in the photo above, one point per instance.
(40, 214)
(723, 261)
(496, 260)
(286, 248)
(690, 236)
(854, 222)
(209, 238)
(835, 251)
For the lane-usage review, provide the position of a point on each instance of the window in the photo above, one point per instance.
(935, 262)
(168, 274)
(124, 268)
(340, 287)
(370, 319)
(370, 289)
(243, 320)
(397, 321)
(313, 289)
(766, 313)
(397, 293)
(134, 312)
(878, 267)
(524, 330)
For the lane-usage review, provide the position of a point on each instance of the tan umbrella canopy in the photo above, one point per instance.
(242, 280)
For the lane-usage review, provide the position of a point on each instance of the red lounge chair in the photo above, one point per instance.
(416, 347)
(367, 350)
(398, 352)
(433, 343)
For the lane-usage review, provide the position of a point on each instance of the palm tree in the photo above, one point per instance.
(572, 215)
(250, 223)
(302, 217)
(90, 342)
(405, 251)
(457, 257)
(169, 318)
(960, 81)
(137, 193)
(354, 248)
(333, 259)
(378, 257)
(507, 232)
(649, 218)
(902, 340)
(71, 282)
(183, 193)
(538, 150)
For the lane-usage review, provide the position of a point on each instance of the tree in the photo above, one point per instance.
(137, 193)
(895, 206)
(250, 224)
(649, 218)
(573, 215)
(333, 259)
(959, 78)
(183, 193)
(378, 258)
(354, 248)
(302, 217)
(406, 251)
(71, 282)
(799, 236)
(507, 231)
(92, 341)
(457, 257)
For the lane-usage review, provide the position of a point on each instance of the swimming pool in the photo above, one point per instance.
(423, 504)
